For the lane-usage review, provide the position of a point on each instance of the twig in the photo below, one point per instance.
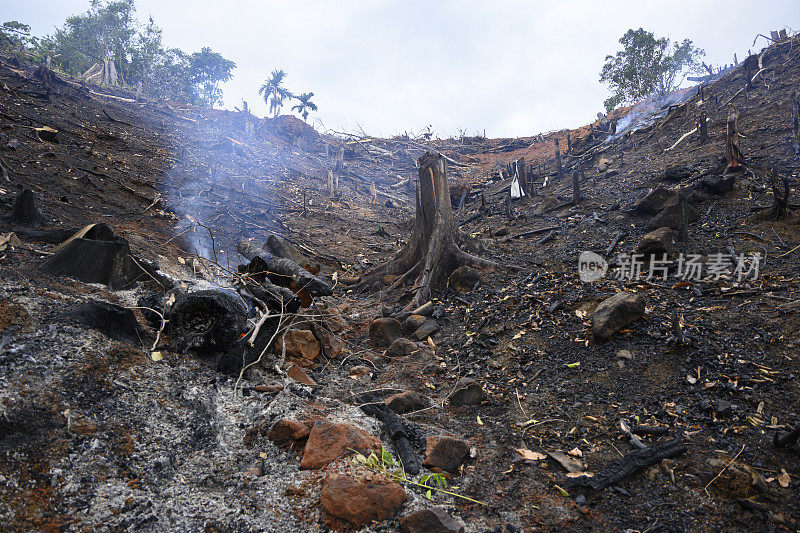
(722, 471)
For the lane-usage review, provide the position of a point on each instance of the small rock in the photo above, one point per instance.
(286, 431)
(502, 231)
(718, 184)
(445, 453)
(413, 322)
(657, 243)
(654, 201)
(384, 331)
(332, 346)
(13, 144)
(669, 217)
(603, 164)
(724, 408)
(255, 470)
(405, 402)
(677, 173)
(615, 313)
(433, 520)
(359, 502)
(402, 347)
(300, 376)
(468, 392)
(301, 346)
(328, 441)
(360, 370)
(463, 279)
(427, 328)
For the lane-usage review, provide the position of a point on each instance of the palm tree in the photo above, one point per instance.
(273, 93)
(304, 104)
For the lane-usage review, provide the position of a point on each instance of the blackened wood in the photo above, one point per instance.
(559, 168)
(629, 464)
(206, 322)
(97, 261)
(395, 428)
(24, 212)
(283, 267)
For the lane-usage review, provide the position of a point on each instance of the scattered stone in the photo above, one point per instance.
(299, 375)
(669, 217)
(384, 331)
(718, 184)
(360, 501)
(402, 347)
(286, 431)
(657, 243)
(328, 441)
(677, 173)
(13, 144)
(406, 402)
(724, 408)
(413, 322)
(463, 279)
(360, 370)
(445, 453)
(467, 392)
(332, 346)
(654, 201)
(256, 470)
(502, 231)
(427, 328)
(433, 520)
(301, 346)
(615, 313)
(603, 164)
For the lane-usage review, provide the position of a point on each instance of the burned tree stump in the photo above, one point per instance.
(733, 153)
(559, 168)
(702, 127)
(780, 194)
(522, 176)
(24, 212)
(576, 187)
(96, 255)
(432, 252)
(206, 322)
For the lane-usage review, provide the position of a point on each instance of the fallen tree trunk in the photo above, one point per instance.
(432, 252)
(283, 267)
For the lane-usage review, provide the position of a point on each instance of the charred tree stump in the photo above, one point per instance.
(559, 168)
(702, 127)
(796, 124)
(683, 217)
(522, 176)
(24, 212)
(432, 252)
(206, 322)
(576, 187)
(780, 193)
(733, 153)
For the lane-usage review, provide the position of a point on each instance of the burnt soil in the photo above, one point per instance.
(95, 433)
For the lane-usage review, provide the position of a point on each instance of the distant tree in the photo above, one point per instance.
(647, 65)
(304, 104)
(273, 91)
(14, 34)
(207, 69)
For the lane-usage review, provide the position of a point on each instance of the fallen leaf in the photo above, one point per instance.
(575, 452)
(784, 479)
(578, 474)
(573, 365)
(691, 379)
(156, 356)
(480, 422)
(530, 455)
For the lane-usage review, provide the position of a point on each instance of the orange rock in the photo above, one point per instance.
(359, 502)
(301, 346)
(328, 441)
(299, 375)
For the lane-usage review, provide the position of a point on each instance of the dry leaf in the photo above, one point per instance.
(530, 455)
(575, 452)
(156, 356)
(480, 422)
(578, 474)
(784, 479)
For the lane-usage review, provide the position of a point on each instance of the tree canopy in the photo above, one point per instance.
(647, 65)
(109, 30)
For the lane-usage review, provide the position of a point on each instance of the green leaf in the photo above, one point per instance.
(429, 495)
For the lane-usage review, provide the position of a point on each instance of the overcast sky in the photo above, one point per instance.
(511, 68)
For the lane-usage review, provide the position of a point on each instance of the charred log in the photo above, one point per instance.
(629, 464)
(281, 270)
(394, 427)
(206, 322)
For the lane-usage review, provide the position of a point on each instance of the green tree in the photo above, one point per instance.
(647, 65)
(273, 91)
(304, 104)
(207, 69)
(15, 35)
